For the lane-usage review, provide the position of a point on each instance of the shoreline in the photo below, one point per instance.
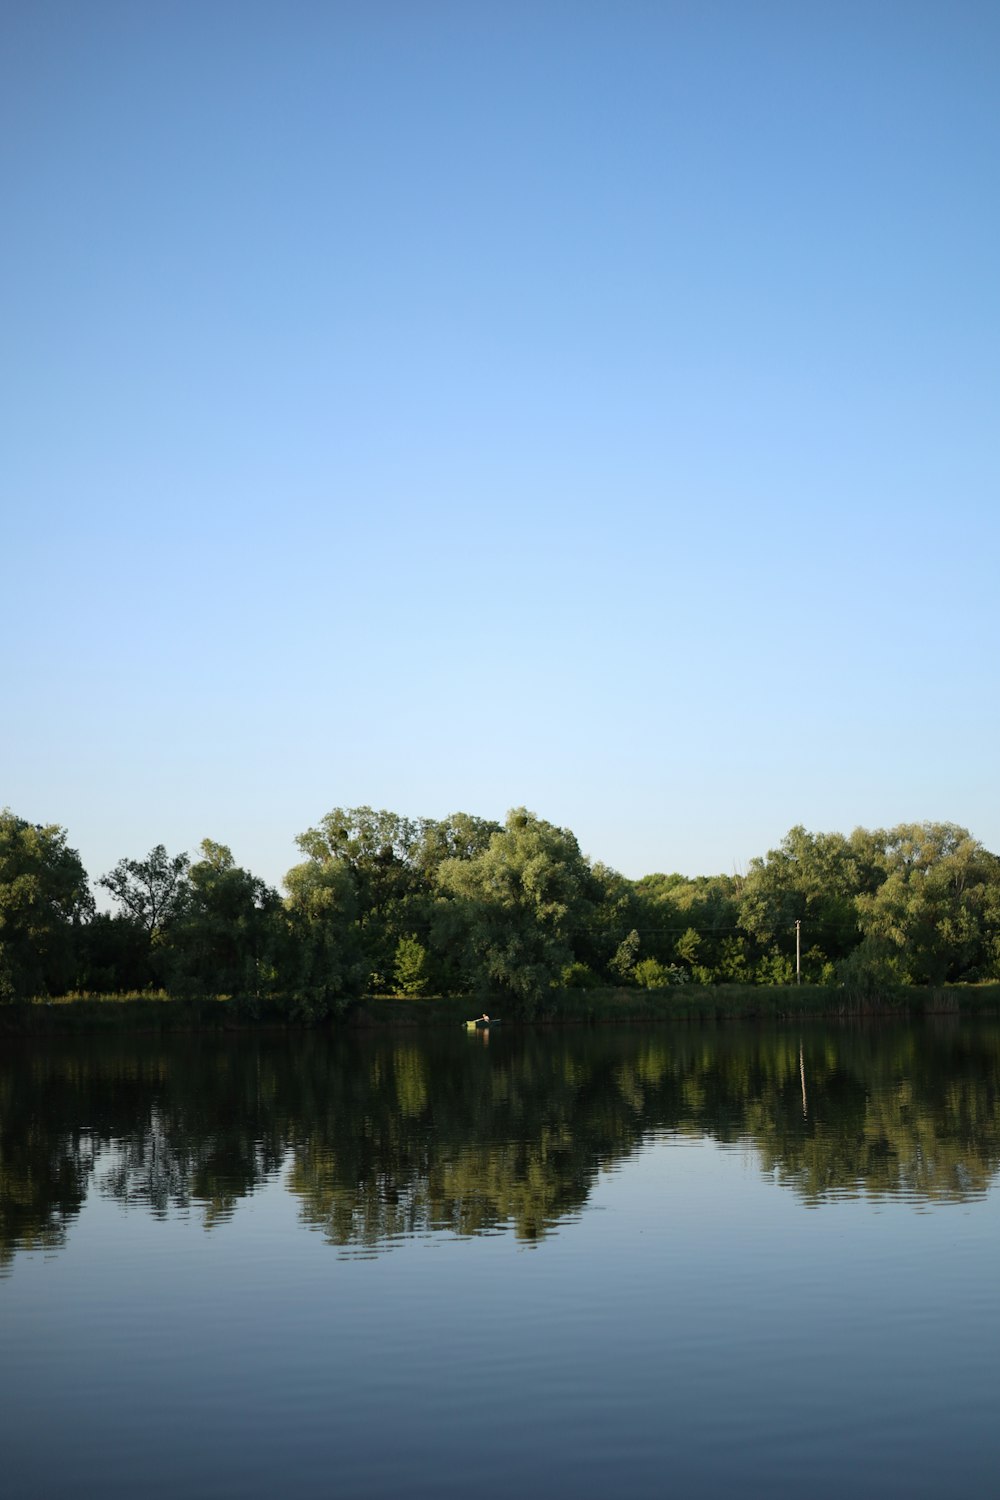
(713, 1003)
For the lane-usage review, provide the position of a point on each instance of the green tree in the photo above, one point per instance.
(522, 901)
(326, 959)
(733, 963)
(935, 917)
(150, 891)
(815, 878)
(225, 938)
(410, 967)
(151, 894)
(650, 974)
(370, 859)
(459, 836)
(625, 957)
(606, 935)
(44, 900)
(687, 946)
(689, 921)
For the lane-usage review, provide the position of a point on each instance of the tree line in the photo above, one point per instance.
(382, 903)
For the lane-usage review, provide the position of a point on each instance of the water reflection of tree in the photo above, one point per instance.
(386, 1138)
(207, 1137)
(452, 1138)
(53, 1117)
(892, 1116)
(163, 1127)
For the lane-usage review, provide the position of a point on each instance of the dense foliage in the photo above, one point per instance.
(384, 903)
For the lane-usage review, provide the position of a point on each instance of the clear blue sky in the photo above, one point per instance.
(591, 406)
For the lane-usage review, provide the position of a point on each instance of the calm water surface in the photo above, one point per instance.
(641, 1263)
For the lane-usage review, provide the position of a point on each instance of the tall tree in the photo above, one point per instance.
(225, 940)
(326, 957)
(935, 917)
(523, 902)
(150, 891)
(44, 899)
(359, 876)
(815, 878)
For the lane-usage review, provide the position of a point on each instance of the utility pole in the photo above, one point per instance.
(798, 950)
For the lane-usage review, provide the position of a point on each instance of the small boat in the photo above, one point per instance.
(482, 1023)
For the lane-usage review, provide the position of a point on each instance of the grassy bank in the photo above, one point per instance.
(157, 1012)
(780, 1002)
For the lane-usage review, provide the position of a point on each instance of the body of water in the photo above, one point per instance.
(684, 1261)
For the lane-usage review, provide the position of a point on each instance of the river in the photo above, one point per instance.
(683, 1260)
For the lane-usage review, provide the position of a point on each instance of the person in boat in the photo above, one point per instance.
(485, 1017)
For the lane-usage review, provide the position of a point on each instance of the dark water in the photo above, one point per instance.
(687, 1262)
